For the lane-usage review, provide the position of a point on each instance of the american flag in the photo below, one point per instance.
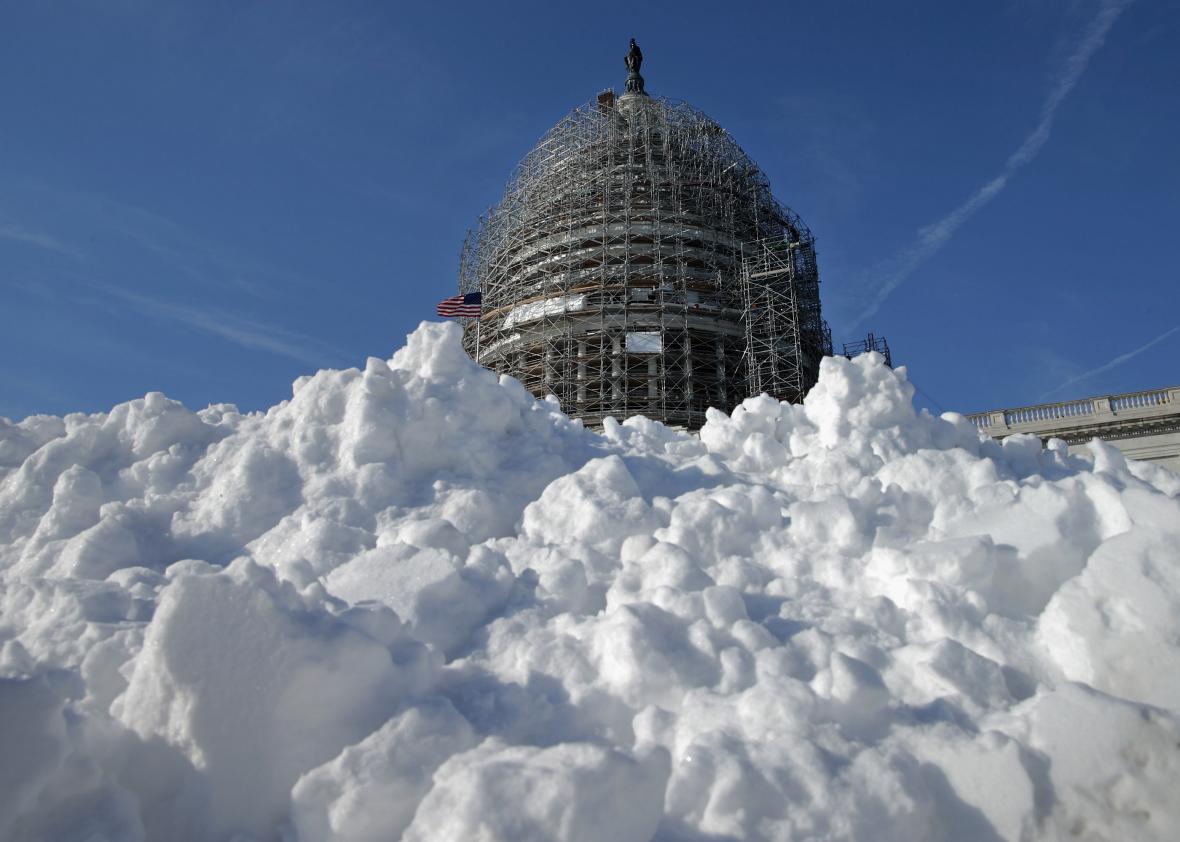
(468, 306)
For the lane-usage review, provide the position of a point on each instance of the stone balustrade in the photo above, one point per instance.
(1085, 411)
(1144, 425)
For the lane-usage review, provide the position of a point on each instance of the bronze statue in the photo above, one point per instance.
(633, 59)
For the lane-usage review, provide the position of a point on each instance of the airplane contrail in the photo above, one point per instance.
(1119, 360)
(932, 237)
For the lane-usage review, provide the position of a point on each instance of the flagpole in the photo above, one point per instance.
(478, 320)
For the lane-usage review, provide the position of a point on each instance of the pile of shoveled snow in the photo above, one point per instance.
(413, 602)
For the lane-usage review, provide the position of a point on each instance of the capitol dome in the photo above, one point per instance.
(638, 264)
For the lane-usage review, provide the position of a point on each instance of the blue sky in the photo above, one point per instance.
(212, 198)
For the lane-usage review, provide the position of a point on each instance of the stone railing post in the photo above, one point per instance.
(1102, 406)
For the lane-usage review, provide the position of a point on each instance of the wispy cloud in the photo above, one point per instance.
(37, 239)
(181, 260)
(934, 236)
(185, 251)
(248, 333)
(1117, 361)
(131, 232)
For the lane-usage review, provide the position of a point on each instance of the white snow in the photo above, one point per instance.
(414, 602)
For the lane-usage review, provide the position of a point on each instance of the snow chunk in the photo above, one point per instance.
(371, 791)
(572, 792)
(256, 686)
(1122, 613)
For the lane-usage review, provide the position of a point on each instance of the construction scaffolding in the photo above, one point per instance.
(870, 343)
(624, 270)
(785, 335)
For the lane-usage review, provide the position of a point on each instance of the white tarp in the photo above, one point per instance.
(645, 342)
(534, 310)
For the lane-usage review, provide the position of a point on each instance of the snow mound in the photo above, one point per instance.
(414, 602)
